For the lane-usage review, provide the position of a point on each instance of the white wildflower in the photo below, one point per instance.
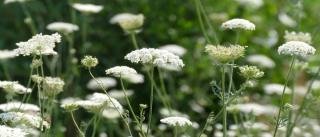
(111, 113)
(18, 118)
(261, 60)
(13, 1)
(118, 94)
(87, 8)
(14, 106)
(14, 87)
(268, 41)
(120, 71)
(128, 22)
(52, 86)
(175, 49)
(298, 36)
(91, 106)
(6, 131)
(274, 88)
(296, 48)
(134, 78)
(255, 125)
(176, 121)
(156, 57)
(167, 113)
(7, 54)
(238, 24)
(105, 82)
(225, 54)
(285, 19)
(254, 108)
(250, 3)
(63, 27)
(39, 44)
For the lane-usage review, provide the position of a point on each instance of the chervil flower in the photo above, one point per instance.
(175, 49)
(87, 8)
(274, 88)
(39, 45)
(13, 1)
(285, 19)
(225, 54)
(261, 60)
(238, 24)
(250, 3)
(105, 82)
(89, 61)
(118, 94)
(15, 106)
(176, 121)
(296, 48)
(127, 21)
(63, 27)
(7, 54)
(134, 78)
(6, 131)
(52, 86)
(120, 71)
(14, 87)
(298, 36)
(251, 72)
(18, 118)
(255, 109)
(155, 57)
(98, 101)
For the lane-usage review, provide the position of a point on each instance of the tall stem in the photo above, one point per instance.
(151, 101)
(292, 103)
(282, 96)
(163, 89)
(201, 21)
(224, 101)
(75, 123)
(134, 40)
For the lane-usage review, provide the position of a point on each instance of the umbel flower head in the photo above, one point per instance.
(175, 49)
(6, 131)
(87, 8)
(176, 121)
(52, 86)
(7, 54)
(105, 82)
(29, 120)
(39, 45)
(238, 24)
(225, 54)
(89, 61)
(13, 1)
(128, 22)
(19, 106)
(63, 27)
(155, 57)
(120, 71)
(296, 48)
(251, 72)
(13, 87)
(298, 36)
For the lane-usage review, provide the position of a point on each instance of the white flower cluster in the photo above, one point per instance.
(14, 87)
(118, 94)
(63, 27)
(298, 36)
(250, 3)
(6, 131)
(15, 106)
(175, 49)
(285, 19)
(13, 1)
(39, 45)
(254, 108)
(128, 21)
(238, 24)
(134, 78)
(156, 57)
(105, 82)
(120, 71)
(87, 8)
(52, 86)
(296, 48)
(176, 121)
(261, 60)
(29, 120)
(7, 54)
(274, 88)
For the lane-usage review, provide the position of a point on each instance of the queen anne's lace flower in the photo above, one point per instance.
(274, 88)
(15, 106)
(118, 94)
(52, 86)
(7, 54)
(134, 78)
(18, 118)
(296, 48)
(250, 3)
(105, 82)
(175, 49)
(128, 21)
(63, 27)
(120, 71)
(89, 61)
(225, 54)
(39, 44)
(6, 131)
(251, 72)
(176, 121)
(156, 57)
(238, 24)
(298, 36)
(87, 8)
(261, 60)
(255, 109)
(14, 87)
(285, 19)
(13, 1)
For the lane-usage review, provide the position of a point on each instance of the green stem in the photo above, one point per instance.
(94, 125)
(282, 96)
(75, 123)
(224, 101)
(134, 40)
(175, 131)
(292, 103)
(163, 89)
(151, 101)
(201, 21)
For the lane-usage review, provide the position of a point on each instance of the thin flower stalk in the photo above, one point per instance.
(151, 99)
(75, 123)
(134, 40)
(224, 110)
